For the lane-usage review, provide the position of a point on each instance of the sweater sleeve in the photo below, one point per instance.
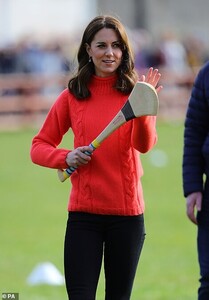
(195, 132)
(144, 135)
(44, 149)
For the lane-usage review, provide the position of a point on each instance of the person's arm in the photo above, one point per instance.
(44, 149)
(144, 135)
(195, 132)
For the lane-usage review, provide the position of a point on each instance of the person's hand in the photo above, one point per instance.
(153, 78)
(77, 157)
(193, 203)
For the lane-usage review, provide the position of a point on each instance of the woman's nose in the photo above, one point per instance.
(109, 51)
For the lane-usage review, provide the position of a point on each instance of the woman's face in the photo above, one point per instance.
(105, 51)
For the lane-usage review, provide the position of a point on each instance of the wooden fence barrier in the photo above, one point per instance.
(25, 99)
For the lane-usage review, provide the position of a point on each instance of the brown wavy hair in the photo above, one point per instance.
(127, 75)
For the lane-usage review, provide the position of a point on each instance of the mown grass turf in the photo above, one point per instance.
(33, 217)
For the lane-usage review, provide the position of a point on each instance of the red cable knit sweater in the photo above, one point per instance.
(110, 183)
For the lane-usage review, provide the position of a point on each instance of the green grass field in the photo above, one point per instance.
(33, 215)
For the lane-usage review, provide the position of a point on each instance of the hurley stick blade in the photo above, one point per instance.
(143, 101)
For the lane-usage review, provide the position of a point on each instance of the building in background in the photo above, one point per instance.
(37, 18)
(184, 17)
(18, 17)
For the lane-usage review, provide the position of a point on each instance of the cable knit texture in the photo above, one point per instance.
(110, 183)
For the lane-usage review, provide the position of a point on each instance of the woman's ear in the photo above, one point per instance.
(88, 49)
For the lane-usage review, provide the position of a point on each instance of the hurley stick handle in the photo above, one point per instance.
(65, 174)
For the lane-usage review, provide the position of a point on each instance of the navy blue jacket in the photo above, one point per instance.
(196, 136)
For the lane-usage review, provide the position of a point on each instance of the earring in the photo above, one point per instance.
(90, 59)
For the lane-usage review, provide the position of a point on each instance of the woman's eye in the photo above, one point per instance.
(116, 46)
(101, 46)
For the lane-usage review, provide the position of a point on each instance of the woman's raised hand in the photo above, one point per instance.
(153, 78)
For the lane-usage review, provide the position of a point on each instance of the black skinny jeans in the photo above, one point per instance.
(88, 237)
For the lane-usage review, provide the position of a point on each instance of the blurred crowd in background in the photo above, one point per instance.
(52, 57)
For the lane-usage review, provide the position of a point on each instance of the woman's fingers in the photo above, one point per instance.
(153, 77)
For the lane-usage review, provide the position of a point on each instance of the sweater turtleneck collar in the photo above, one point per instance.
(102, 85)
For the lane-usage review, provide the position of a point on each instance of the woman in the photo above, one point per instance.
(106, 203)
